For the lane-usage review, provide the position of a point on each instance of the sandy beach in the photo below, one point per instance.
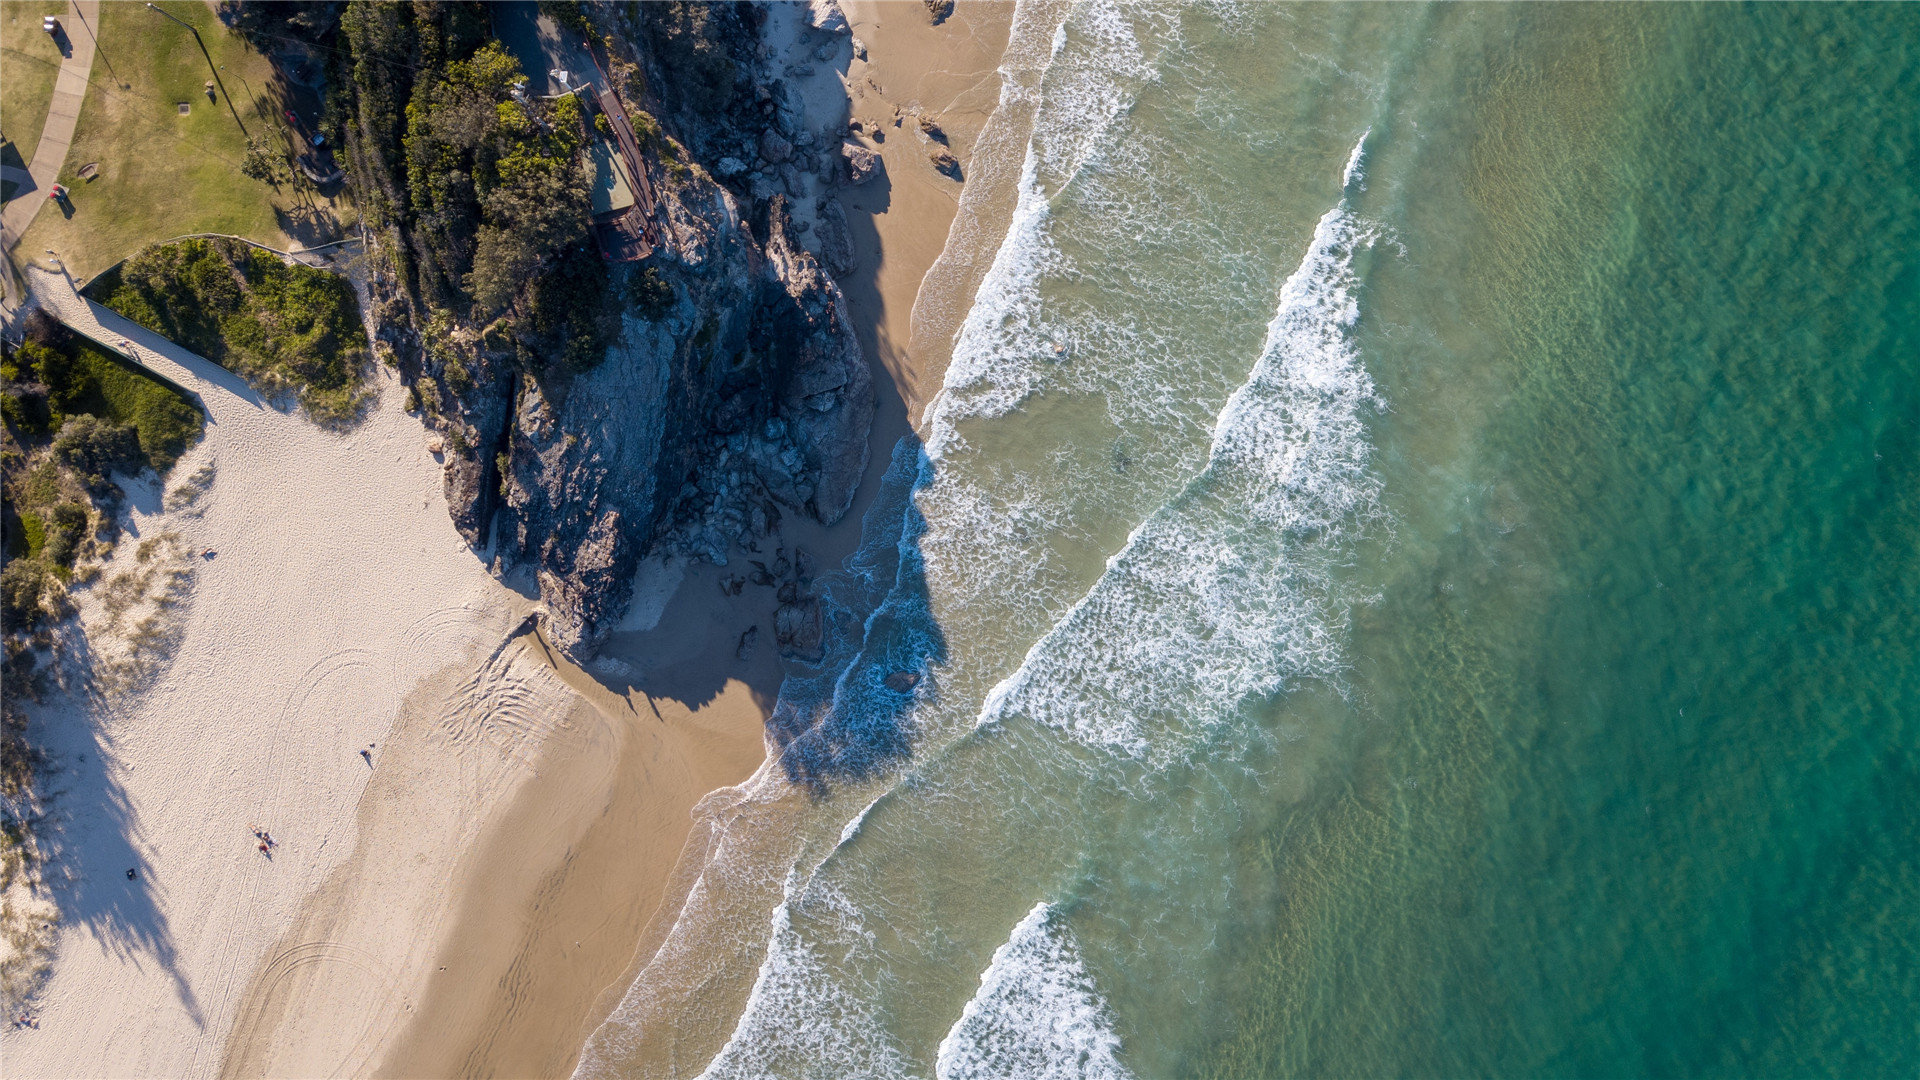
(579, 871)
(477, 894)
(316, 584)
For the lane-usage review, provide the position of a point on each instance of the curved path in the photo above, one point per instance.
(218, 391)
(63, 112)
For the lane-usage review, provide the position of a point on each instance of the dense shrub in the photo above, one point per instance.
(485, 185)
(92, 447)
(41, 386)
(29, 594)
(685, 40)
(284, 327)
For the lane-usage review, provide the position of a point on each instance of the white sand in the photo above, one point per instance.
(339, 585)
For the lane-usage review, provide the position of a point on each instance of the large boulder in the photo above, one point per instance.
(836, 240)
(826, 16)
(862, 164)
(774, 148)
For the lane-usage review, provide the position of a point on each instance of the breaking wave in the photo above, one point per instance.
(1225, 592)
(1036, 1015)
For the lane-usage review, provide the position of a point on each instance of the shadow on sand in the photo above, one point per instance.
(106, 882)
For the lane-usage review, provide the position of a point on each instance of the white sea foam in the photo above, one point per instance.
(1356, 165)
(802, 1019)
(1225, 592)
(1037, 1014)
(1005, 346)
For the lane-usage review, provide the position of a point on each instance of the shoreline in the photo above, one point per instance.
(480, 895)
(525, 987)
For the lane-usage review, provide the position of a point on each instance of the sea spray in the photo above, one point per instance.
(1037, 1013)
(1225, 592)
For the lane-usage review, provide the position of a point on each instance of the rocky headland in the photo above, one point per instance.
(725, 387)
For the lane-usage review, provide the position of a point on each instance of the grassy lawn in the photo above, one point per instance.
(164, 174)
(29, 61)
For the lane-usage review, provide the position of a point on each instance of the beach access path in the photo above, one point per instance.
(332, 608)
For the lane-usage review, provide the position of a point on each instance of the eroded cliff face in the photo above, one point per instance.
(744, 396)
(734, 390)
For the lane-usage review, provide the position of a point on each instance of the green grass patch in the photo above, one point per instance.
(163, 173)
(31, 63)
(84, 379)
(284, 327)
(34, 532)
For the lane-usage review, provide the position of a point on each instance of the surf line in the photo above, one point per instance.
(1226, 590)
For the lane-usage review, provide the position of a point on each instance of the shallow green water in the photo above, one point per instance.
(1635, 792)
(1414, 573)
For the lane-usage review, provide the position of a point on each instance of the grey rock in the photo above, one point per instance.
(747, 398)
(836, 239)
(826, 16)
(862, 164)
(799, 630)
(773, 148)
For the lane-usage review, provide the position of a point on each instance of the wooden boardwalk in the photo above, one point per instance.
(633, 234)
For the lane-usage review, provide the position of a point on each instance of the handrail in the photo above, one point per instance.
(293, 255)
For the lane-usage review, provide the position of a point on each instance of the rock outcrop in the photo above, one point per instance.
(734, 390)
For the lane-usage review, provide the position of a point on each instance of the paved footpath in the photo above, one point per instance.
(81, 21)
(223, 394)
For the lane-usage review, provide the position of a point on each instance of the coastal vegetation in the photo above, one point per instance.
(481, 181)
(284, 327)
(74, 415)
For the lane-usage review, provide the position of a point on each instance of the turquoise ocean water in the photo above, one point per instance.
(1414, 572)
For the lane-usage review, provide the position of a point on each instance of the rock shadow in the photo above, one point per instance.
(851, 716)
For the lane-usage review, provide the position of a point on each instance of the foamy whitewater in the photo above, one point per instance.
(1221, 499)
(1036, 1015)
(1279, 698)
(1223, 594)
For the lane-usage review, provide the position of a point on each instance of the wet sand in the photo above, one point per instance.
(561, 897)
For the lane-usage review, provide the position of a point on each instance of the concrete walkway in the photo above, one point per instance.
(69, 90)
(217, 390)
